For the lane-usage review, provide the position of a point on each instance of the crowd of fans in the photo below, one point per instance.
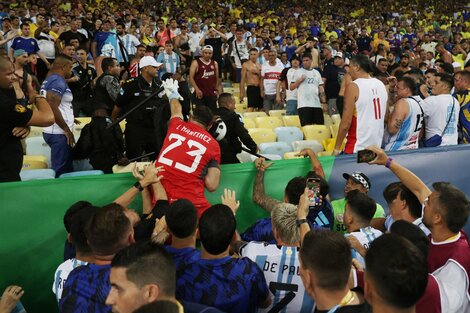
(395, 72)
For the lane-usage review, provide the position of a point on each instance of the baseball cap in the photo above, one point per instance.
(207, 47)
(359, 178)
(149, 61)
(19, 52)
(405, 55)
(338, 54)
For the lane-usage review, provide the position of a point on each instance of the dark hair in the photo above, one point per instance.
(106, 63)
(181, 218)
(453, 204)
(224, 99)
(148, 263)
(24, 25)
(121, 24)
(408, 82)
(108, 229)
(316, 253)
(294, 189)
(465, 75)
(307, 55)
(397, 269)
(413, 233)
(75, 220)
(361, 205)
(53, 23)
(397, 189)
(216, 228)
(203, 115)
(363, 61)
(82, 48)
(160, 306)
(253, 49)
(431, 71)
(448, 69)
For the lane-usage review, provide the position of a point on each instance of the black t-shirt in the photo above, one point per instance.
(144, 229)
(11, 151)
(82, 90)
(216, 44)
(69, 35)
(334, 76)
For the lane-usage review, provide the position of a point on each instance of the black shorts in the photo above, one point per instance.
(209, 101)
(253, 94)
(310, 116)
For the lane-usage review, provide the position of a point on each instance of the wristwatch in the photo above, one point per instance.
(138, 186)
(300, 222)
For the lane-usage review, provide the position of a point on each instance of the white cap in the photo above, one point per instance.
(338, 54)
(149, 61)
(208, 47)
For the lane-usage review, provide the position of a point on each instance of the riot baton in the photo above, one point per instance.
(255, 154)
(138, 105)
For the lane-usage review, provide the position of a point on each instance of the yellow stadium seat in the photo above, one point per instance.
(327, 120)
(334, 130)
(249, 123)
(292, 155)
(35, 131)
(291, 120)
(254, 114)
(336, 119)
(77, 129)
(329, 144)
(316, 132)
(325, 153)
(261, 135)
(268, 122)
(33, 162)
(278, 113)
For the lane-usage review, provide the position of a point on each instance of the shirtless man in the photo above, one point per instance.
(21, 59)
(251, 71)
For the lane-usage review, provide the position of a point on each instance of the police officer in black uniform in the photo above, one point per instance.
(107, 88)
(236, 131)
(80, 84)
(146, 127)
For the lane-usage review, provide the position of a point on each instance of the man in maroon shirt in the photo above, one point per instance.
(204, 76)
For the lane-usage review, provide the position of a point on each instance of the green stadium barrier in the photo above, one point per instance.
(31, 218)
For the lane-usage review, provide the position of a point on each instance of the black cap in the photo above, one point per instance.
(359, 178)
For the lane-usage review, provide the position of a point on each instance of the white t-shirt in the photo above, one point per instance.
(270, 76)
(280, 265)
(307, 92)
(61, 274)
(365, 236)
(194, 39)
(242, 51)
(47, 46)
(291, 94)
(437, 111)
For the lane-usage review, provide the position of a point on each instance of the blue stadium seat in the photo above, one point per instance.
(81, 173)
(278, 148)
(37, 174)
(288, 134)
(311, 144)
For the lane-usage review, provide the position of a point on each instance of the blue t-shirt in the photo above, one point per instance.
(186, 255)
(108, 38)
(86, 290)
(262, 230)
(30, 45)
(170, 63)
(231, 285)
(191, 307)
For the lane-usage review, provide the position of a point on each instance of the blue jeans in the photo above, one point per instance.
(291, 107)
(61, 153)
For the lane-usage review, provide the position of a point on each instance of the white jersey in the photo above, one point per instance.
(280, 266)
(242, 54)
(291, 94)
(270, 76)
(367, 125)
(407, 136)
(307, 92)
(61, 274)
(437, 111)
(365, 236)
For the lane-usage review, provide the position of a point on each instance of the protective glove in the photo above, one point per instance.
(171, 89)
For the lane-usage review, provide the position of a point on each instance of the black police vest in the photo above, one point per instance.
(101, 98)
(147, 114)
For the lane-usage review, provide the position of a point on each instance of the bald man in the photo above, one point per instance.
(60, 135)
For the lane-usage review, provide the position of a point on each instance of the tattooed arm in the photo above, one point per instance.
(396, 118)
(259, 197)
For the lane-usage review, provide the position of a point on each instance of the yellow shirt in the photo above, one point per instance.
(56, 36)
(32, 27)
